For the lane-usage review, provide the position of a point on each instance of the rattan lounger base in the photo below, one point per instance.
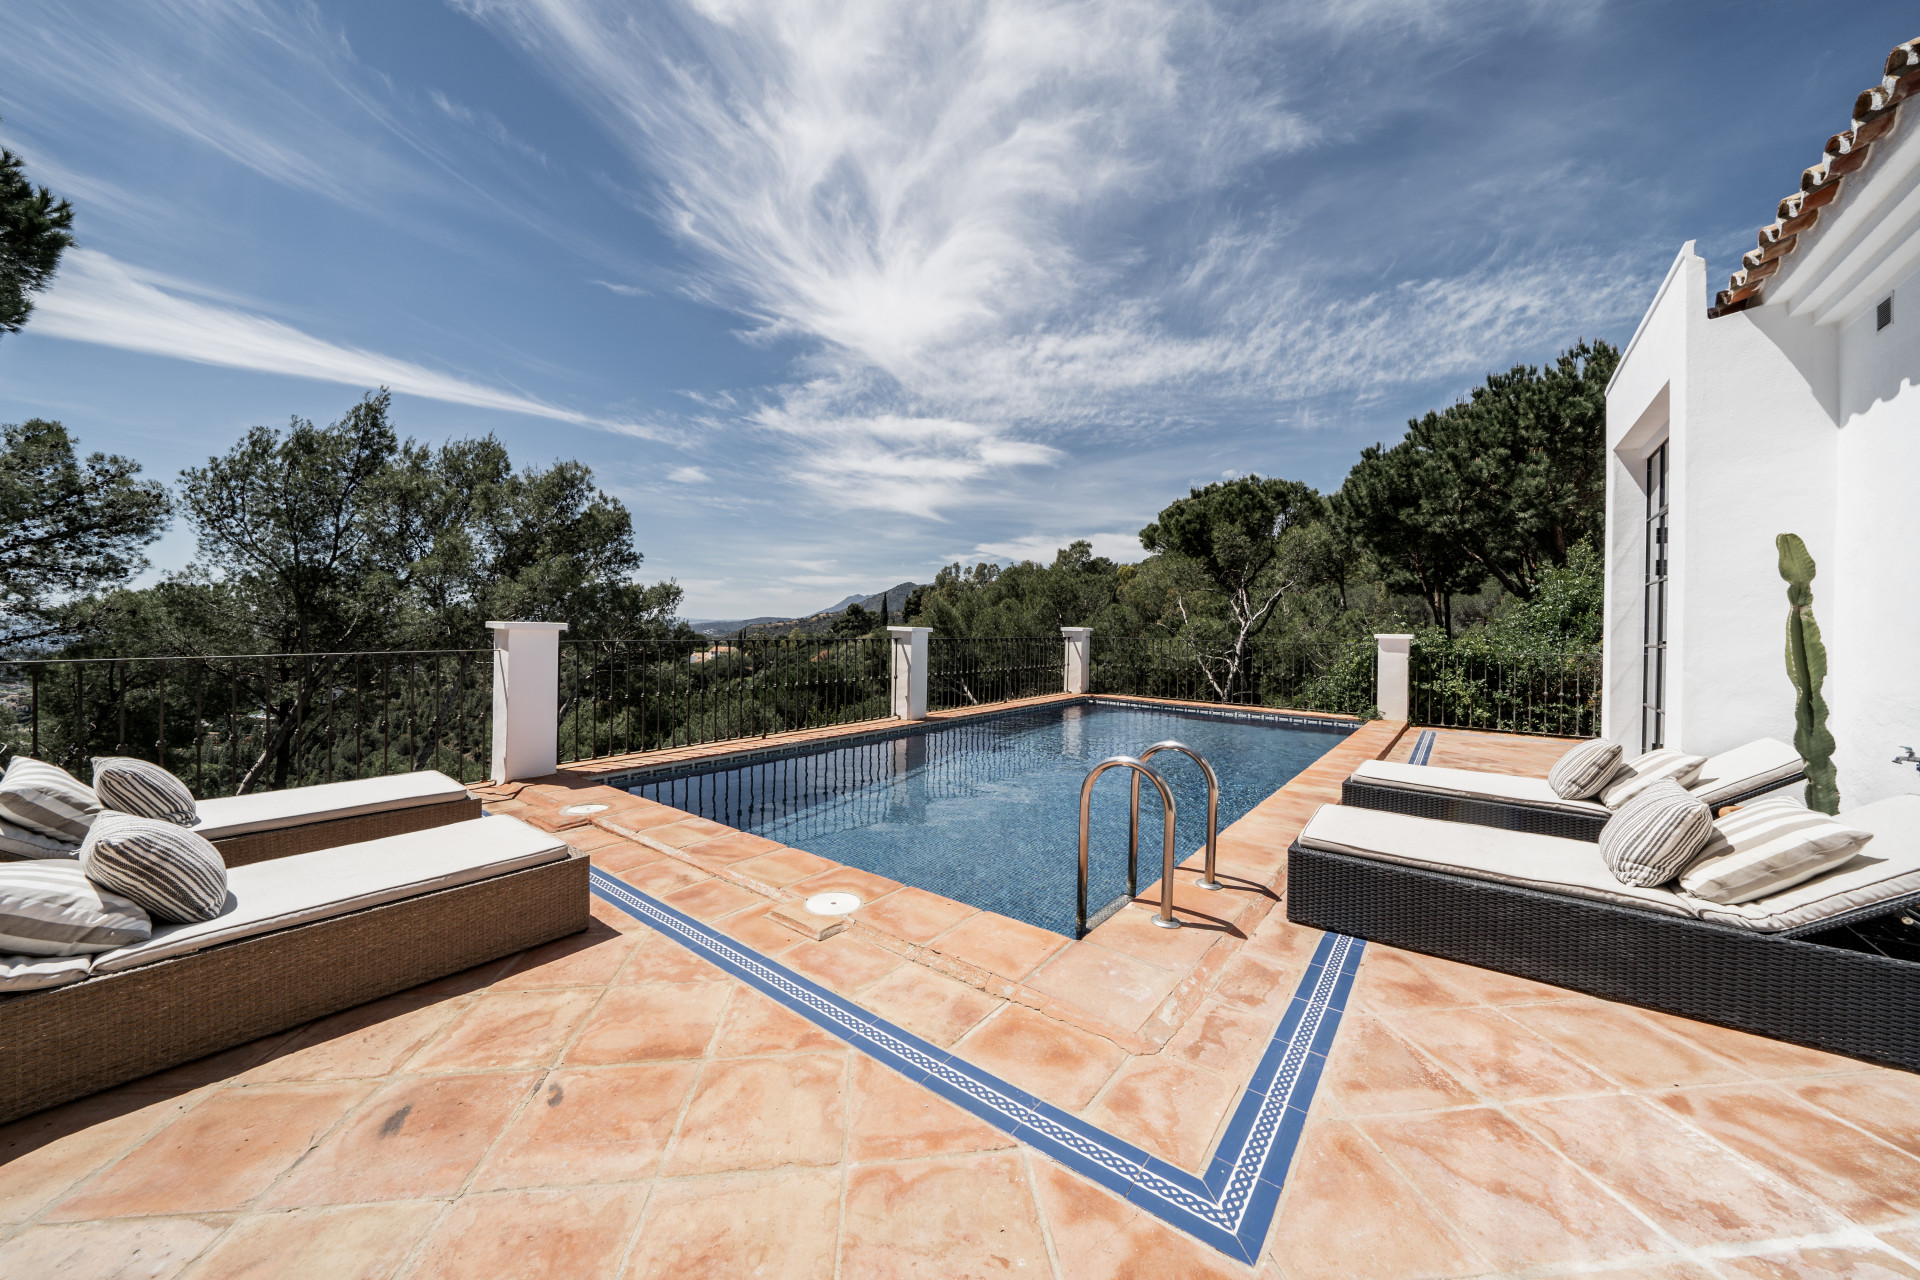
(1508, 815)
(70, 1041)
(283, 842)
(1826, 997)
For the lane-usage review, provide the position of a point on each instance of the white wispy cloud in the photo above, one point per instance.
(688, 475)
(1121, 546)
(98, 299)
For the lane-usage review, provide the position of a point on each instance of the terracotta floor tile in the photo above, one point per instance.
(1759, 1056)
(416, 1137)
(757, 1024)
(1170, 1108)
(1495, 1055)
(1514, 1200)
(507, 1029)
(1222, 1037)
(1113, 987)
(1393, 981)
(1692, 1187)
(613, 917)
(356, 1242)
(1010, 948)
(844, 962)
(1907, 1243)
(893, 1118)
(711, 899)
(220, 1155)
(1043, 1055)
(216, 1068)
(659, 958)
(43, 1155)
(1372, 1071)
(1838, 1263)
(1489, 986)
(914, 914)
(580, 1233)
(1884, 1103)
(623, 857)
(663, 877)
(1349, 1215)
(597, 1124)
(927, 1003)
(641, 817)
(1674, 1270)
(771, 1226)
(784, 867)
(687, 831)
(650, 1023)
(1281, 940)
(753, 928)
(1860, 1176)
(1105, 1238)
(465, 982)
(1616, 1041)
(759, 1113)
(862, 884)
(1131, 931)
(1257, 982)
(131, 1249)
(589, 838)
(368, 1041)
(587, 959)
(952, 1218)
(735, 846)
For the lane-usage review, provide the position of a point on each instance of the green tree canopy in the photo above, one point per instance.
(35, 229)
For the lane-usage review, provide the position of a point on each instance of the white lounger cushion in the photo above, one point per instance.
(1735, 772)
(305, 887)
(1488, 853)
(1887, 868)
(1472, 784)
(298, 806)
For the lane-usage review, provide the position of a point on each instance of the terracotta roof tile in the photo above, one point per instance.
(1876, 112)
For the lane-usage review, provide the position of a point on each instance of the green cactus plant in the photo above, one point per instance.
(1807, 668)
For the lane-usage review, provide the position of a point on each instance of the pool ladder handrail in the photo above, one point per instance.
(1209, 880)
(1165, 918)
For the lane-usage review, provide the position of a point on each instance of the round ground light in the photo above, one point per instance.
(833, 904)
(575, 810)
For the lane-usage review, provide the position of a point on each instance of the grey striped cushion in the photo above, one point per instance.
(1652, 836)
(144, 790)
(176, 875)
(35, 973)
(18, 842)
(1641, 772)
(50, 908)
(1579, 774)
(46, 798)
(1768, 846)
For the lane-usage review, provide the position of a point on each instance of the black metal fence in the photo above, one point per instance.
(1455, 687)
(619, 696)
(232, 724)
(1300, 676)
(969, 672)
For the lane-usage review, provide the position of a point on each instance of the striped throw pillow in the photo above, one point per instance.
(1583, 771)
(1652, 836)
(50, 908)
(18, 842)
(46, 798)
(1770, 845)
(144, 790)
(1641, 772)
(176, 875)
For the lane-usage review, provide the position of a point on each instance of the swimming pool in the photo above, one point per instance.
(987, 811)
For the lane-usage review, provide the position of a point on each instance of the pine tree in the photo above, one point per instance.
(34, 232)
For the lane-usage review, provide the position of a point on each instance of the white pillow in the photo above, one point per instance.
(1641, 772)
(46, 798)
(1764, 847)
(19, 842)
(1652, 836)
(35, 973)
(1583, 771)
(49, 908)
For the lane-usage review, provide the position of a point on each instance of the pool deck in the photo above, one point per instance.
(614, 1105)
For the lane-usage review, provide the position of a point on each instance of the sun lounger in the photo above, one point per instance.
(274, 824)
(302, 936)
(1827, 963)
(1529, 804)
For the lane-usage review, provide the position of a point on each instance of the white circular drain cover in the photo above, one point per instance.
(583, 808)
(833, 904)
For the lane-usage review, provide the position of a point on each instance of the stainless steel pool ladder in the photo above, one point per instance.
(1165, 917)
(1207, 881)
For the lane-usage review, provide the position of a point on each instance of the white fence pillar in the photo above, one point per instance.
(1078, 662)
(1392, 675)
(910, 671)
(526, 699)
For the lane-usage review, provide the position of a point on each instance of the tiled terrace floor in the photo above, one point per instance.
(613, 1106)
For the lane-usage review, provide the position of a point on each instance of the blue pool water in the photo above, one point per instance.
(987, 811)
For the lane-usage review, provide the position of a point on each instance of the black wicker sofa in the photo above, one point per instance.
(1839, 977)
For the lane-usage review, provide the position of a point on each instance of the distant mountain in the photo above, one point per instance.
(813, 623)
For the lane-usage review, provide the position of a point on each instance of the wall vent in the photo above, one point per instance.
(1883, 314)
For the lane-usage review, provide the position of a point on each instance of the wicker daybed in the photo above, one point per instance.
(302, 937)
(1833, 963)
(1529, 804)
(275, 824)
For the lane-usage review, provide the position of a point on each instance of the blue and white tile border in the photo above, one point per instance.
(1423, 747)
(1229, 1207)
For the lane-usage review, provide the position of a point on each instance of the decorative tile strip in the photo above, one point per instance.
(1229, 1207)
(1423, 747)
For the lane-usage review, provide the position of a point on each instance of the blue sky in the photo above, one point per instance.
(831, 294)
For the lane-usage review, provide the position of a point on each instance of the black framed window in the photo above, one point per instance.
(1653, 653)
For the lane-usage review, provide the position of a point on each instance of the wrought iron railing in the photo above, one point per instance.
(257, 722)
(963, 671)
(621, 696)
(1299, 675)
(1460, 687)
